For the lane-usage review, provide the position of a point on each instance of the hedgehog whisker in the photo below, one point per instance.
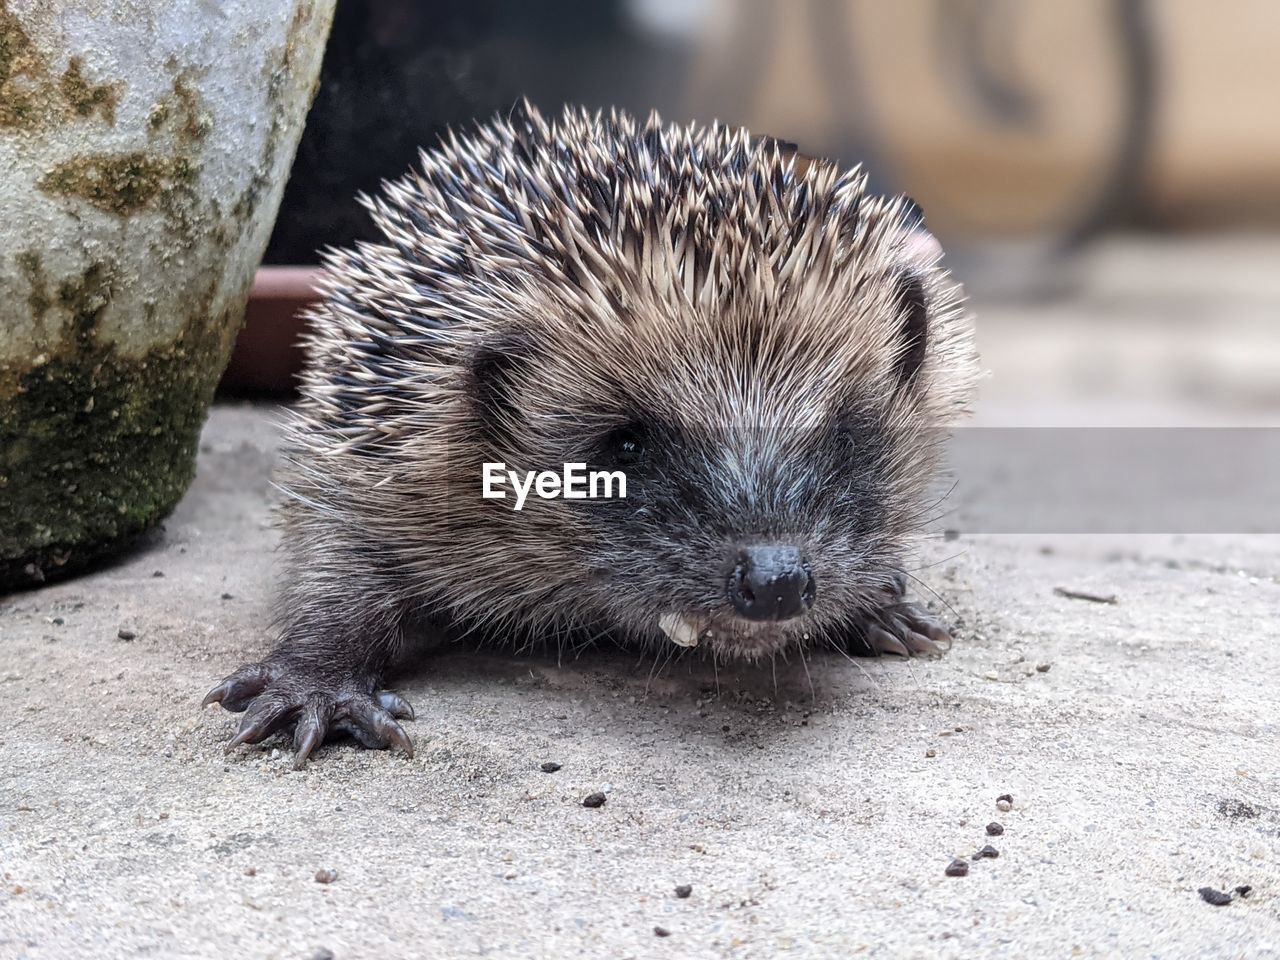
(831, 641)
(813, 696)
(932, 592)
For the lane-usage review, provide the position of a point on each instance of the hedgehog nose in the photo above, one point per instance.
(771, 582)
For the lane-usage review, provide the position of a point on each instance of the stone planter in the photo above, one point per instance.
(144, 147)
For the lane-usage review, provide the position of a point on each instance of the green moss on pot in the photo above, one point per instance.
(97, 446)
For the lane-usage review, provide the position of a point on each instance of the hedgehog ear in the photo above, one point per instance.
(913, 329)
(495, 369)
(919, 252)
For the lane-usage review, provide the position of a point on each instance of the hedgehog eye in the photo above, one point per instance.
(625, 446)
(860, 433)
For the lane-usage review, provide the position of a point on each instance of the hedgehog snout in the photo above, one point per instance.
(771, 582)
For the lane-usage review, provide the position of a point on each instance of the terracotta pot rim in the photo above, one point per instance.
(285, 282)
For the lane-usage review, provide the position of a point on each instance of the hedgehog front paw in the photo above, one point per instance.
(277, 695)
(902, 627)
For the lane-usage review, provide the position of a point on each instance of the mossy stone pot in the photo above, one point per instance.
(144, 145)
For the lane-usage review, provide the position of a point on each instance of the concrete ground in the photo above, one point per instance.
(1140, 742)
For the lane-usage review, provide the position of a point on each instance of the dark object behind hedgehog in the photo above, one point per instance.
(767, 351)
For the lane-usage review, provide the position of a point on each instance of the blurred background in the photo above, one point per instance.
(1104, 174)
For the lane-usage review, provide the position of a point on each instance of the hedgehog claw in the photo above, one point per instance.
(395, 704)
(307, 735)
(217, 694)
(374, 727)
(267, 714)
(400, 739)
(921, 645)
(236, 691)
(904, 629)
(882, 641)
(278, 697)
(317, 714)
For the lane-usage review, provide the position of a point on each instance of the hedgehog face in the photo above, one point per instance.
(765, 505)
(749, 536)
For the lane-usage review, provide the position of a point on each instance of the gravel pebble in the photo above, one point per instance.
(1004, 802)
(683, 890)
(596, 799)
(1214, 896)
(550, 767)
(994, 829)
(661, 932)
(987, 853)
(326, 875)
(957, 868)
(126, 634)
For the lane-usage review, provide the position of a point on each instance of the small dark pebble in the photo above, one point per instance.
(550, 767)
(250, 871)
(1244, 890)
(324, 953)
(1005, 796)
(684, 890)
(957, 868)
(596, 799)
(994, 829)
(950, 535)
(326, 876)
(1043, 667)
(228, 596)
(987, 853)
(126, 635)
(1215, 897)
(58, 621)
(157, 573)
(1229, 808)
(661, 932)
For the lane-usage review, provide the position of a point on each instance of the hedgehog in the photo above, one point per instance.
(765, 350)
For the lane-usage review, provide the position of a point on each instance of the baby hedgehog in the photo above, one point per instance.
(767, 352)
